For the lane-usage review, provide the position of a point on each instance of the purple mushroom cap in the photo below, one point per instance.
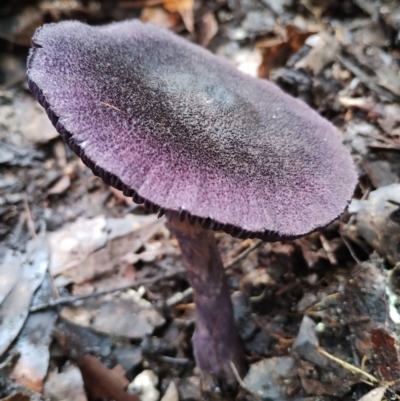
(181, 129)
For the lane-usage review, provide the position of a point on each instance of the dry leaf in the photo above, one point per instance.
(184, 8)
(34, 341)
(102, 382)
(159, 16)
(60, 186)
(374, 395)
(65, 385)
(15, 308)
(276, 51)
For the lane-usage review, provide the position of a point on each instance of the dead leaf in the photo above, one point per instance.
(102, 382)
(10, 271)
(128, 316)
(124, 276)
(159, 16)
(206, 29)
(17, 397)
(15, 307)
(323, 52)
(171, 394)
(184, 8)
(34, 124)
(377, 222)
(276, 51)
(71, 245)
(99, 244)
(34, 341)
(374, 395)
(60, 186)
(271, 377)
(386, 357)
(145, 384)
(65, 385)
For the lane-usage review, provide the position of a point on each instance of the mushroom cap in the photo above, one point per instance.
(180, 129)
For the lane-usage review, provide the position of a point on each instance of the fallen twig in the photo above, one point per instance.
(242, 383)
(243, 254)
(71, 300)
(372, 380)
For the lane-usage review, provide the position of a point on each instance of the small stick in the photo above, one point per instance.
(242, 384)
(243, 254)
(29, 221)
(350, 367)
(328, 250)
(350, 248)
(70, 300)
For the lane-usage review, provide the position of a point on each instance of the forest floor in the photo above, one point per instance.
(94, 301)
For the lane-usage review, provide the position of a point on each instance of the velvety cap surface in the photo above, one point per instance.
(172, 124)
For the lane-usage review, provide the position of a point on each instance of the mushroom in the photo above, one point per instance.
(182, 131)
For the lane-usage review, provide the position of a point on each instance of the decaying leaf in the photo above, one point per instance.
(378, 220)
(184, 8)
(102, 382)
(15, 307)
(34, 341)
(145, 384)
(386, 357)
(98, 244)
(65, 385)
(10, 271)
(160, 16)
(127, 315)
(270, 378)
(323, 52)
(33, 122)
(374, 395)
(276, 51)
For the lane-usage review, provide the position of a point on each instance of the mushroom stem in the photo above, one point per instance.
(216, 341)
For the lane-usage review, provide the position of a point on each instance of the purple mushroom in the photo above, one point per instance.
(182, 131)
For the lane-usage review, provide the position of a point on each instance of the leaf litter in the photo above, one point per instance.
(318, 316)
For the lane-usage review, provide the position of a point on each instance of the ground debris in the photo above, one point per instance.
(145, 385)
(126, 315)
(34, 341)
(171, 394)
(65, 385)
(319, 316)
(15, 307)
(102, 382)
(273, 378)
(378, 219)
(99, 244)
(374, 395)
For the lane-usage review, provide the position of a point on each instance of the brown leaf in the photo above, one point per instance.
(386, 361)
(17, 397)
(207, 28)
(276, 51)
(184, 8)
(102, 382)
(159, 16)
(60, 186)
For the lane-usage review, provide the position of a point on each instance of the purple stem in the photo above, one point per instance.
(216, 341)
